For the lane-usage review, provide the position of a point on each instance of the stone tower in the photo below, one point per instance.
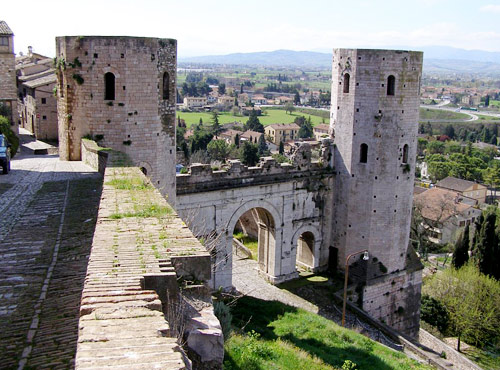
(8, 88)
(374, 120)
(121, 92)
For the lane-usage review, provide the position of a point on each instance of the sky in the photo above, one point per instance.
(214, 27)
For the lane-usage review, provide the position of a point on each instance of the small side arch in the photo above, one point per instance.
(308, 231)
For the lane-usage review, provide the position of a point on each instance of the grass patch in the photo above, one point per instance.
(272, 116)
(130, 183)
(441, 114)
(306, 278)
(249, 242)
(488, 358)
(147, 210)
(283, 337)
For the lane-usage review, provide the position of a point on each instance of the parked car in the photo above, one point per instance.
(4, 154)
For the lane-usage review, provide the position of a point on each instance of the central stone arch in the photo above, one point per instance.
(270, 241)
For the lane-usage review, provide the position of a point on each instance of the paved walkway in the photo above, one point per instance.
(48, 212)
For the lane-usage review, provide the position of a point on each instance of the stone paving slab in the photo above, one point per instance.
(40, 288)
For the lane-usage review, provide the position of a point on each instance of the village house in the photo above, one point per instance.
(37, 104)
(283, 100)
(8, 94)
(259, 99)
(321, 131)
(193, 102)
(281, 132)
(245, 111)
(465, 188)
(251, 136)
(445, 213)
(225, 100)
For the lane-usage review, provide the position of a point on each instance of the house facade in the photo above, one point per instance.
(281, 132)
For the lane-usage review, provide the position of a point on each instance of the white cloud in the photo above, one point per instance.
(490, 8)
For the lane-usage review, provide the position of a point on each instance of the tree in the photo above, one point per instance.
(486, 249)
(222, 89)
(449, 131)
(434, 313)
(461, 251)
(215, 122)
(262, 145)
(281, 149)
(296, 98)
(289, 107)
(237, 140)
(306, 130)
(218, 150)
(249, 154)
(435, 147)
(471, 299)
(253, 122)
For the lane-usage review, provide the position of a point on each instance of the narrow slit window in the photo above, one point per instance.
(363, 153)
(346, 83)
(109, 85)
(405, 154)
(391, 82)
(166, 92)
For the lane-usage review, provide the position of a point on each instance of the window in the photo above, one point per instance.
(405, 153)
(166, 92)
(109, 86)
(363, 153)
(44, 117)
(4, 41)
(391, 82)
(44, 100)
(346, 82)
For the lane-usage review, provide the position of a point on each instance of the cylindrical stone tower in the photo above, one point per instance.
(121, 91)
(374, 120)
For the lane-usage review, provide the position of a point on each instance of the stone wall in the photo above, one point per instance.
(8, 89)
(139, 301)
(137, 117)
(459, 361)
(94, 156)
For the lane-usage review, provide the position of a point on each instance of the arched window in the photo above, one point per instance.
(346, 82)
(109, 86)
(363, 153)
(405, 153)
(391, 85)
(166, 80)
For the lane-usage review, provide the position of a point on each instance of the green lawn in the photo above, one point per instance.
(495, 103)
(250, 243)
(272, 116)
(432, 114)
(278, 336)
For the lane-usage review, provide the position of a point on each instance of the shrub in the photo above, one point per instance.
(9, 134)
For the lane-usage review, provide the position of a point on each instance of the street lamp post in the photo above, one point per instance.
(365, 258)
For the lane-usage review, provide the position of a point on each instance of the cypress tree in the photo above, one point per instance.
(487, 245)
(461, 252)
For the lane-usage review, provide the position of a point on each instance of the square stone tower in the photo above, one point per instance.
(374, 120)
(120, 91)
(8, 89)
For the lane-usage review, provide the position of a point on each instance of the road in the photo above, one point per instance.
(48, 210)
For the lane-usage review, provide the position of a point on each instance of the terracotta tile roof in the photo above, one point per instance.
(453, 183)
(322, 127)
(287, 126)
(4, 29)
(439, 204)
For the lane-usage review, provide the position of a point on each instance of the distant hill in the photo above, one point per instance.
(288, 58)
(436, 60)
